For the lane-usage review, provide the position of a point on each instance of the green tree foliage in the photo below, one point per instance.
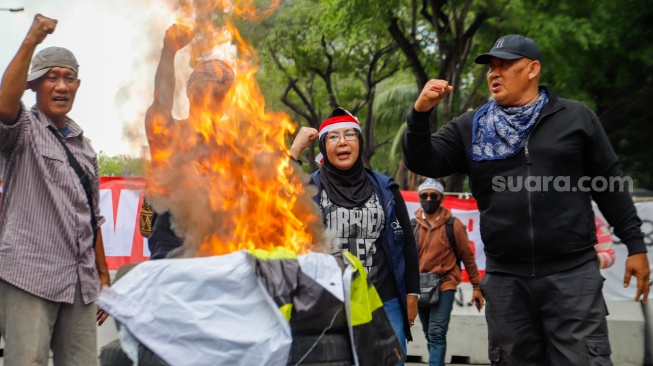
(315, 54)
(314, 63)
(121, 166)
(600, 52)
(623, 90)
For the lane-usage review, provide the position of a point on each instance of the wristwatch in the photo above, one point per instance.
(413, 294)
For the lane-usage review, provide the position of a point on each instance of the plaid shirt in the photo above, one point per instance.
(46, 236)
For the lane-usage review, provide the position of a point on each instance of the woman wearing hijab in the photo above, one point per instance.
(365, 214)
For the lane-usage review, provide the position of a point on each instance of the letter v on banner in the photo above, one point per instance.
(120, 205)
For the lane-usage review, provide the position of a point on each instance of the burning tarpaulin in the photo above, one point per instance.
(234, 309)
(224, 173)
(199, 311)
(250, 223)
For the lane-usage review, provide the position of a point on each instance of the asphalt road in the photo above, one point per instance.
(407, 364)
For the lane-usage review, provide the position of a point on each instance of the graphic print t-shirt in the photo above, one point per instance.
(356, 230)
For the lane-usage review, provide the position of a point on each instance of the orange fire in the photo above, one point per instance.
(226, 176)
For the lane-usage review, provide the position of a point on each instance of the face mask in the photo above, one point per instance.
(430, 206)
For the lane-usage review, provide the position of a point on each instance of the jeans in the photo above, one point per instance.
(435, 323)
(396, 316)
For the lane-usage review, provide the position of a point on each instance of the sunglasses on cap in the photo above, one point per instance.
(425, 196)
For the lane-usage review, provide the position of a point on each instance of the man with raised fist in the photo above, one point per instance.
(51, 253)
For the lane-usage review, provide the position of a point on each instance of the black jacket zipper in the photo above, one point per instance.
(528, 194)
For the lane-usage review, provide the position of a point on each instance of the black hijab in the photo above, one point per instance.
(345, 188)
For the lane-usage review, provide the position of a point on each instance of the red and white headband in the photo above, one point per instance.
(333, 123)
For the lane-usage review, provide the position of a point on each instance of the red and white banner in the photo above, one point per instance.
(120, 202)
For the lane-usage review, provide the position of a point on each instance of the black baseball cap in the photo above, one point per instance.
(511, 47)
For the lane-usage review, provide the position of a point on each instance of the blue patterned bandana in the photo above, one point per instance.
(500, 133)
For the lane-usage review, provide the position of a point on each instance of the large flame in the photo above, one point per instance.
(226, 176)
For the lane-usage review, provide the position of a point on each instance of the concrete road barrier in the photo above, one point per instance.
(467, 336)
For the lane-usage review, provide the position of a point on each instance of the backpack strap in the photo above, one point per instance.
(413, 224)
(449, 231)
(452, 238)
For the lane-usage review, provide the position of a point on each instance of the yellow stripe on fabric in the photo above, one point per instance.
(276, 253)
(364, 298)
(286, 310)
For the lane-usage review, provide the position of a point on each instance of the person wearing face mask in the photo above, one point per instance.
(365, 214)
(436, 256)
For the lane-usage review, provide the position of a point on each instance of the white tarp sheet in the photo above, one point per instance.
(201, 311)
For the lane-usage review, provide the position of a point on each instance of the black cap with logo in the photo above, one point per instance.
(511, 47)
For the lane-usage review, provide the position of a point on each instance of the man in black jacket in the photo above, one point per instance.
(535, 162)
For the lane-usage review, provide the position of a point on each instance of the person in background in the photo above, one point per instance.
(52, 260)
(436, 255)
(604, 245)
(207, 86)
(146, 218)
(365, 214)
(534, 238)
